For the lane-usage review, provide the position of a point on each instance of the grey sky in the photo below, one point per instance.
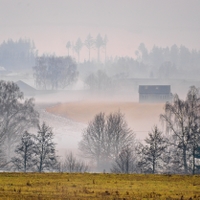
(51, 23)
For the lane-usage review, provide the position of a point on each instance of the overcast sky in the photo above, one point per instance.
(127, 23)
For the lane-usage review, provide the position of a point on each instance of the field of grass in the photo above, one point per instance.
(97, 186)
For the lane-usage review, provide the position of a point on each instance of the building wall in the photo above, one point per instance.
(154, 97)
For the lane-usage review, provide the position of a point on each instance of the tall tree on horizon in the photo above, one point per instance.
(68, 46)
(99, 43)
(89, 43)
(78, 46)
(105, 41)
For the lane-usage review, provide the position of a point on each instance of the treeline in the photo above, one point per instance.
(107, 141)
(17, 55)
(54, 72)
(169, 62)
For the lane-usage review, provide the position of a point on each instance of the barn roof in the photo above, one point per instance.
(25, 88)
(154, 89)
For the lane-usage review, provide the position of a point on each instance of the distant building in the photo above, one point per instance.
(154, 93)
(26, 89)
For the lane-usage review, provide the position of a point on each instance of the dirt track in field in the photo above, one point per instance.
(140, 117)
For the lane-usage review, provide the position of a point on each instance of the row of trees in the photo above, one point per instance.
(17, 55)
(158, 62)
(53, 72)
(163, 62)
(108, 140)
(181, 56)
(90, 43)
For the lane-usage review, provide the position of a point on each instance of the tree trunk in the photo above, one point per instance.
(98, 55)
(25, 159)
(193, 161)
(153, 165)
(185, 160)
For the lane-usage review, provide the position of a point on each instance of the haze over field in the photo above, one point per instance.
(78, 58)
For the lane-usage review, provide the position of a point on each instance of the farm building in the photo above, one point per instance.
(154, 93)
(26, 89)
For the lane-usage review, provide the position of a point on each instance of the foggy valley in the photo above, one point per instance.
(83, 66)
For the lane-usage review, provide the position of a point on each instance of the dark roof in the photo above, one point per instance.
(154, 89)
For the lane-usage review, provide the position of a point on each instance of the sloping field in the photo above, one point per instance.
(140, 117)
(97, 186)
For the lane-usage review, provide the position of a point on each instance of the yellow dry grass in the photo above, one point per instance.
(97, 186)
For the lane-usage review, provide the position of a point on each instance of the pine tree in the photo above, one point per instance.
(24, 151)
(44, 150)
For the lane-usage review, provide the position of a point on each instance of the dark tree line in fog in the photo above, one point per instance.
(107, 141)
(56, 72)
(169, 62)
(53, 72)
(17, 55)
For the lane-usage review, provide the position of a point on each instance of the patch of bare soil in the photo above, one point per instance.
(140, 117)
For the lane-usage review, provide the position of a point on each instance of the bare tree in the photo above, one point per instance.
(153, 151)
(44, 149)
(78, 46)
(99, 43)
(105, 41)
(193, 128)
(175, 119)
(16, 116)
(23, 160)
(182, 122)
(71, 164)
(105, 137)
(124, 162)
(68, 46)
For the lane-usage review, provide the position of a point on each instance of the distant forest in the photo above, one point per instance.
(17, 55)
(175, 62)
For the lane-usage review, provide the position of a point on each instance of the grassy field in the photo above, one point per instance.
(97, 186)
